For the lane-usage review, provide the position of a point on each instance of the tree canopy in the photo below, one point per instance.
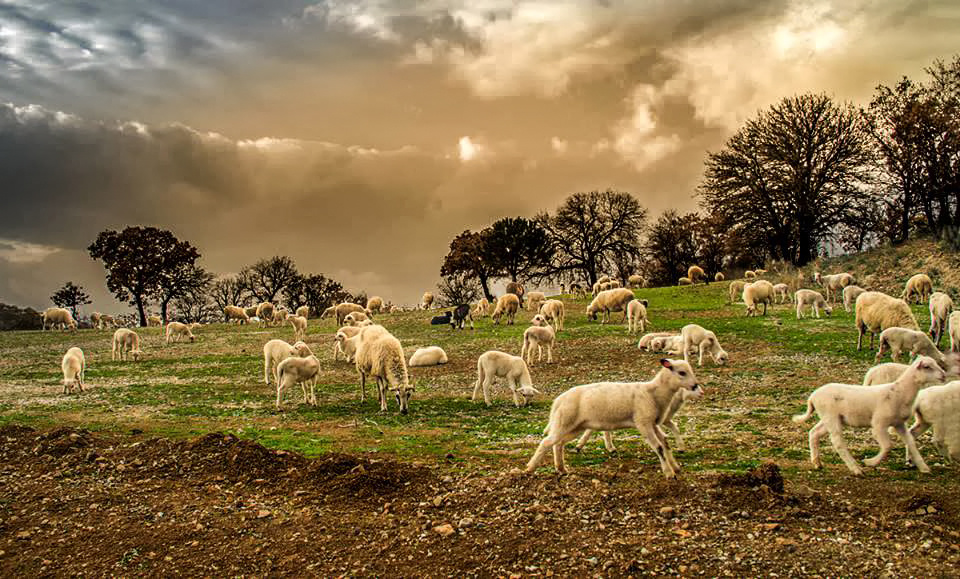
(70, 296)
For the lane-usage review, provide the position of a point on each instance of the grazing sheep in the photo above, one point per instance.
(850, 295)
(703, 340)
(354, 318)
(781, 291)
(496, 364)
(154, 321)
(74, 368)
(812, 299)
(758, 292)
(461, 314)
(940, 306)
(442, 320)
(177, 330)
(878, 407)
(578, 290)
(554, 313)
(95, 320)
(718, 276)
(276, 351)
(835, 283)
(331, 311)
(280, 315)
(939, 407)
(613, 406)
(346, 308)
(125, 340)
(695, 273)
(380, 356)
(507, 305)
(303, 312)
(265, 313)
(429, 356)
(534, 299)
(344, 344)
(636, 281)
(303, 371)
(375, 304)
(101, 321)
(232, 313)
(736, 289)
(954, 330)
(637, 316)
(644, 343)
(541, 335)
(876, 311)
(913, 342)
(426, 301)
(920, 286)
(299, 324)
(58, 317)
(684, 281)
(613, 300)
(749, 274)
(481, 309)
(251, 311)
(884, 373)
(604, 279)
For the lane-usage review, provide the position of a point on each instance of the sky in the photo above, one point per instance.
(360, 137)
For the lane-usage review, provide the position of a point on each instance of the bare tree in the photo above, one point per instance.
(457, 289)
(268, 278)
(228, 291)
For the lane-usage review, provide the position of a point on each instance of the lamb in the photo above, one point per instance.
(876, 311)
(303, 312)
(343, 310)
(345, 344)
(331, 311)
(74, 368)
(939, 407)
(636, 281)
(850, 295)
(835, 283)
(125, 340)
(781, 291)
(231, 313)
(58, 317)
(644, 343)
(461, 314)
(637, 315)
(812, 299)
(703, 340)
(954, 330)
(553, 311)
(684, 281)
(879, 407)
(481, 309)
(95, 320)
(299, 324)
(276, 351)
(912, 341)
(265, 313)
(177, 330)
(749, 274)
(534, 299)
(251, 311)
(718, 276)
(154, 321)
(100, 321)
(380, 356)
(604, 278)
(541, 335)
(884, 373)
(303, 371)
(672, 344)
(280, 315)
(426, 301)
(507, 305)
(516, 289)
(615, 405)
(920, 286)
(614, 300)
(354, 318)
(375, 304)
(758, 292)
(429, 356)
(940, 306)
(497, 364)
(695, 273)
(613, 284)
(736, 289)
(676, 404)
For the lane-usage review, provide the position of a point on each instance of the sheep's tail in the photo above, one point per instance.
(807, 414)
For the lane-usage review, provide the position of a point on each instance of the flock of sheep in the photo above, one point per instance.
(890, 395)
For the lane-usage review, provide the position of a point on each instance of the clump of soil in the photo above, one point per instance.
(767, 474)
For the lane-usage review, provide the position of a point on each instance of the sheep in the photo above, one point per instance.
(940, 306)
(604, 279)
(912, 341)
(344, 344)
(232, 313)
(939, 407)
(303, 371)
(534, 299)
(101, 321)
(758, 292)
(672, 344)
(879, 407)
(614, 284)
(299, 324)
(553, 311)
(354, 318)
(749, 274)
(615, 405)
(331, 311)
(461, 314)
(303, 312)
(954, 331)
(614, 300)
(835, 283)
(496, 364)
(380, 355)
(95, 320)
(540, 334)
(74, 368)
(884, 373)
(850, 295)
(876, 311)
(481, 309)
(781, 291)
(265, 313)
(276, 351)
(695, 273)
(636, 281)
(343, 310)
(251, 311)
(736, 289)
(426, 301)
(644, 343)
(517, 290)
(679, 399)
(684, 281)
(154, 321)
(429, 356)
(442, 320)
(280, 315)
(637, 315)
(920, 286)
(177, 330)
(718, 276)
(507, 305)
(703, 340)
(58, 317)
(578, 290)
(375, 304)
(125, 340)
(812, 299)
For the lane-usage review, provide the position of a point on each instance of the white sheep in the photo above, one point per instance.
(749, 274)
(380, 356)
(426, 301)
(814, 300)
(496, 364)
(613, 406)
(695, 273)
(58, 317)
(344, 342)
(671, 344)
(954, 330)
(303, 371)
(884, 373)
(299, 324)
(375, 304)
(940, 307)
(554, 312)
(429, 356)
(534, 299)
(758, 292)
(699, 339)
(280, 315)
(343, 310)
(303, 312)
(265, 313)
(612, 300)
(125, 340)
(684, 281)
(644, 343)
(914, 342)
(835, 283)
(507, 305)
(878, 407)
(637, 316)
(782, 292)
(539, 335)
(736, 289)
(939, 407)
(251, 311)
(276, 351)
(154, 321)
(177, 330)
(74, 368)
(850, 295)
(719, 276)
(876, 311)
(101, 320)
(481, 309)
(234, 313)
(920, 285)
(636, 281)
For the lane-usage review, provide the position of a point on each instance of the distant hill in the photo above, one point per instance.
(14, 318)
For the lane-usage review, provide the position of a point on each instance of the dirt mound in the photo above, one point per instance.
(61, 442)
(15, 430)
(767, 474)
(343, 475)
(236, 458)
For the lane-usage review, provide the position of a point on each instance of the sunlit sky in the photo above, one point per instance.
(360, 137)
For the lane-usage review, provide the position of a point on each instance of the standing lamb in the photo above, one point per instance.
(613, 300)
(280, 315)
(303, 371)
(154, 321)
(380, 356)
(345, 344)
(695, 336)
(758, 292)
(914, 342)
(920, 286)
(276, 351)
(265, 313)
(636, 281)
(850, 295)
(695, 273)
(884, 373)
(177, 330)
(496, 364)
(835, 283)
(426, 301)
(939, 407)
(299, 324)
(878, 407)
(481, 309)
(304, 312)
(346, 308)
(429, 356)
(613, 406)
(58, 317)
(954, 330)
(876, 311)
(781, 291)
(534, 299)
(231, 313)
(812, 299)
(507, 305)
(736, 289)
(554, 312)
(461, 314)
(940, 307)
(541, 335)
(74, 368)
(637, 316)
(125, 340)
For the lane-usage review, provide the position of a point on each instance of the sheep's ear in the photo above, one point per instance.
(666, 363)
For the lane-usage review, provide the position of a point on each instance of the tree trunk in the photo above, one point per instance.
(138, 300)
(163, 310)
(485, 284)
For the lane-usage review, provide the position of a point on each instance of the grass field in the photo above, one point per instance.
(216, 384)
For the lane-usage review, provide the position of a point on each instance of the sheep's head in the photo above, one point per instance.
(827, 309)
(681, 372)
(657, 344)
(528, 392)
(403, 394)
(538, 320)
(303, 350)
(591, 312)
(136, 353)
(928, 371)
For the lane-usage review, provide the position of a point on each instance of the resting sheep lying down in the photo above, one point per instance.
(497, 364)
(645, 341)
(613, 406)
(429, 356)
(878, 407)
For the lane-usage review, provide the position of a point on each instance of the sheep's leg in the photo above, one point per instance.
(666, 444)
(608, 441)
(919, 427)
(882, 437)
(840, 445)
(816, 433)
(700, 361)
(669, 423)
(550, 353)
(279, 393)
(382, 393)
(649, 432)
(799, 314)
(912, 451)
(545, 445)
(363, 387)
(583, 440)
(816, 311)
